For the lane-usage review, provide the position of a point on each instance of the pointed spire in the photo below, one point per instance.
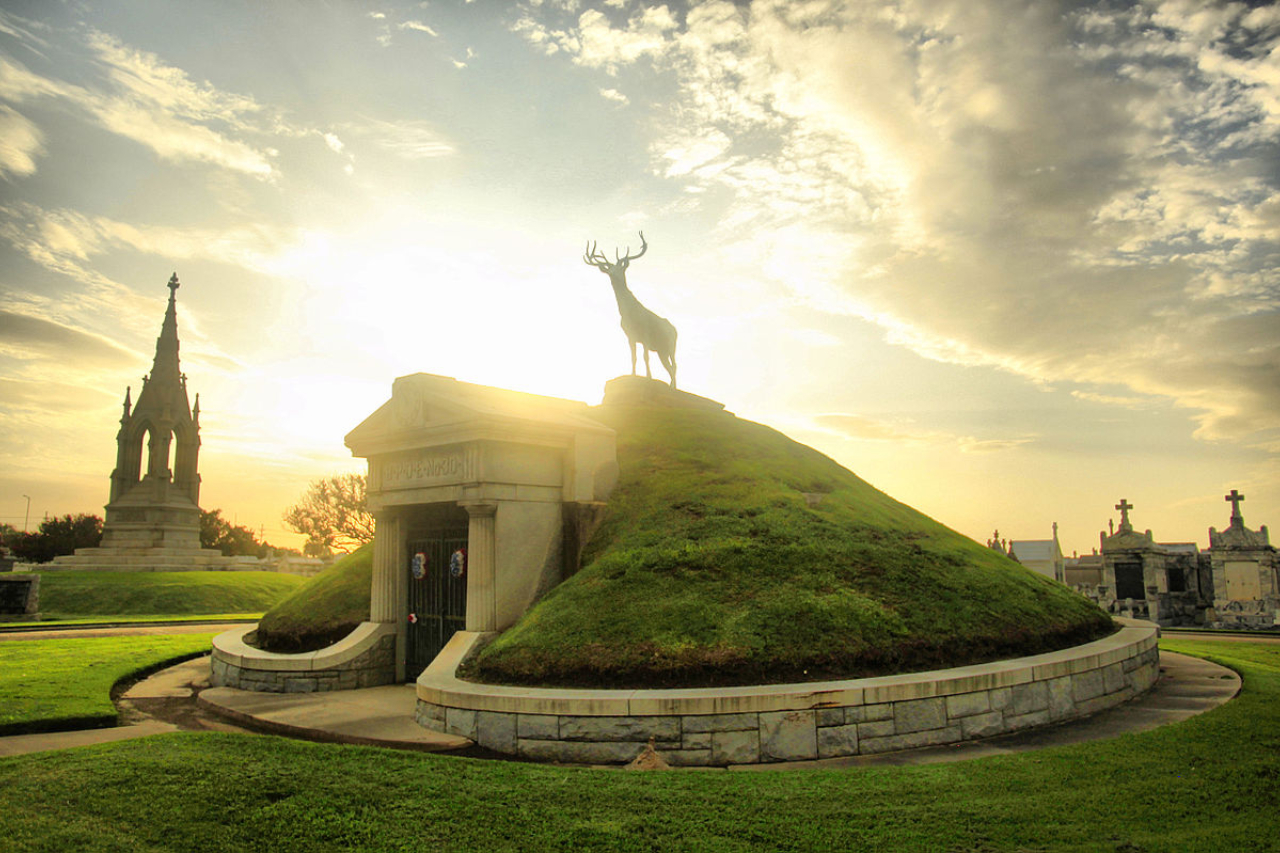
(195, 412)
(128, 404)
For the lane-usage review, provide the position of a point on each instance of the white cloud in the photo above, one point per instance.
(20, 143)
(153, 104)
(615, 96)
(412, 140)
(1086, 197)
(417, 26)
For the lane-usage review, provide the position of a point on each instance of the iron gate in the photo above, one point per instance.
(437, 595)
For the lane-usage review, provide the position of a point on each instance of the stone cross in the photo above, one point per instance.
(1234, 498)
(1124, 506)
(173, 283)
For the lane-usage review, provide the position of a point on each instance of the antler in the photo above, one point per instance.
(628, 258)
(592, 258)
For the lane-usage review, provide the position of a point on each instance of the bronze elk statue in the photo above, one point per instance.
(640, 325)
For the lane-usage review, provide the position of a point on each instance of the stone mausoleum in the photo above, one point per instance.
(1232, 584)
(153, 516)
(483, 500)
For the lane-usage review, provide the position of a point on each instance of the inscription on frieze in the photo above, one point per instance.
(423, 469)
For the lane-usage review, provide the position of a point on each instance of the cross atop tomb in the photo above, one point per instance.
(1124, 506)
(1237, 520)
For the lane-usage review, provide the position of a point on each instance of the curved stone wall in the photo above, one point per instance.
(788, 722)
(363, 658)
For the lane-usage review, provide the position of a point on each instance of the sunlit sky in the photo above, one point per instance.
(1008, 261)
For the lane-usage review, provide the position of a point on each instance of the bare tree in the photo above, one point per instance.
(640, 325)
(333, 514)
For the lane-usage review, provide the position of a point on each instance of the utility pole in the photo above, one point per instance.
(26, 518)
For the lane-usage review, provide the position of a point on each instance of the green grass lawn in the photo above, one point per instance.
(324, 609)
(126, 595)
(731, 554)
(61, 684)
(1210, 783)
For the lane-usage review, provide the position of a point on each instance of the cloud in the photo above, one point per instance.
(862, 428)
(20, 143)
(615, 96)
(141, 98)
(1077, 194)
(411, 140)
(417, 26)
(595, 43)
(25, 336)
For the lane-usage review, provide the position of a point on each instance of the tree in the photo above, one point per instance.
(59, 536)
(333, 514)
(231, 539)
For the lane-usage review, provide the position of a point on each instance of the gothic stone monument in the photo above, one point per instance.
(153, 518)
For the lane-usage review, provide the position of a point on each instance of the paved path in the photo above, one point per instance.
(122, 630)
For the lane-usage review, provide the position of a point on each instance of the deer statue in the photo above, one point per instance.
(640, 325)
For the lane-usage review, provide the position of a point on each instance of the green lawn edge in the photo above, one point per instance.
(1207, 783)
(66, 683)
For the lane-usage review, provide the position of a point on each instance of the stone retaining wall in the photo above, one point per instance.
(364, 658)
(790, 722)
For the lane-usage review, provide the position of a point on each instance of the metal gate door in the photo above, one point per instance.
(437, 595)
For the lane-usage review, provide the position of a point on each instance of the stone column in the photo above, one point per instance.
(386, 596)
(482, 600)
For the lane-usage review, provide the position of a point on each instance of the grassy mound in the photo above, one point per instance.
(323, 610)
(68, 595)
(731, 554)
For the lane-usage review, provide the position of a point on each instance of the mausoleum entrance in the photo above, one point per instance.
(436, 549)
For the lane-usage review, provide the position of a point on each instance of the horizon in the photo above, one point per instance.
(1009, 267)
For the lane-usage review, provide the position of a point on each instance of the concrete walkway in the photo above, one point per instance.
(179, 699)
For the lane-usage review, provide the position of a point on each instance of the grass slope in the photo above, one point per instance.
(68, 595)
(1209, 783)
(324, 609)
(713, 566)
(60, 684)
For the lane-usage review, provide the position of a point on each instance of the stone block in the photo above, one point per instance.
(496, 731)
(868, 713)
(539, 726)
(631, 729)
(1061, 703)
(1113, 679)
(982, 725)
(835, 741)
(830, 716)
(912, 740)
(429, 711)
(915, 715)
(580, 752)
(1028, 698)
(968, 704)
(721, 722)
(735, 747)
(461, 722)
(696, 740)
(688, 757)
(875, 728)
(1000, 698)
(1016, 722)
(788, 736)
(1086, 685)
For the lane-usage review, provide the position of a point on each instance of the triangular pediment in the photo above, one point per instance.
(425, 403)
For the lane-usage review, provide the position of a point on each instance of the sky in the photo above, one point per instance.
(1010, 262)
